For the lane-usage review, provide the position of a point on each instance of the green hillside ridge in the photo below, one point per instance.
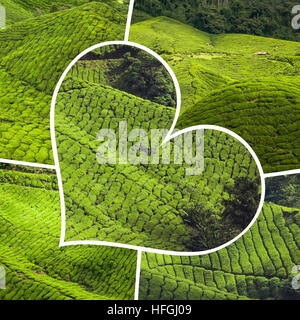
(133, 204)
(257, 266)
(230, 57)
(269, 18)
(221, 73)
(33, 55)
(274, 136)
(18, 10)
(37, 269)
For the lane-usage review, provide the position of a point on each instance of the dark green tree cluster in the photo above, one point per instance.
(147, 78)
(136, 72)
(284, 190)
(243, 201)
(210, 230)
(264, 18)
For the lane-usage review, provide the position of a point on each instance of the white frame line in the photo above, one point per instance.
(139, 252)
(281, 173)
(28, 164)
(129, 19)
(138, 274)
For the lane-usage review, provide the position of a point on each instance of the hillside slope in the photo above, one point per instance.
(33, 55)
(223, 82)
(37, 269)
(134, 204)
(257, 266)
(270, 18)
(15, 12)
(266, 113)
(19, 10)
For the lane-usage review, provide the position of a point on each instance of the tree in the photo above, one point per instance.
(208, 230)
(146, 77)
(242, 202)
(284, 190)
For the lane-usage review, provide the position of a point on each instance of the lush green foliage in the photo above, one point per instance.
(15, 12)
(33, 56)
(128, 69)
(263, 18)
(284, 190)
(36, 267)
(242, 202)
(257, 266)
(208, 229)
(224, 83)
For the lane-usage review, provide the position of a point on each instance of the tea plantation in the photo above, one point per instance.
(37, 269)
(257, 266)
(33, 55)
(134, 204)
(18, 10)
(224, 82)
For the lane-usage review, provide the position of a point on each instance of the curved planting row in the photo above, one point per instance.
(34, 53)
(266, 113)
(87, 71)
(44, 181)
(35, 265)
(257, 266)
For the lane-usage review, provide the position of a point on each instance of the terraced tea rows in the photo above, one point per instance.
(36, 267)
(19, 10)
(24, 125)
(273, 133)
(34, 54)
(15, 12)
(133, 204)
(89, 71)
(257, 266)
(224, 83)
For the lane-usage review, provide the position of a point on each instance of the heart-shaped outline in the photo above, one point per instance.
(169, 136)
